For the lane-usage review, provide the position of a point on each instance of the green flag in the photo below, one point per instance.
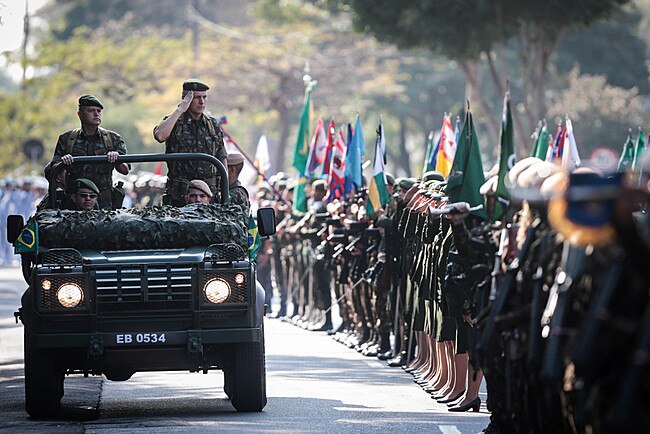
(541, 145)
(301, 153)
(466, 176)
(627, 156)
(533, 152)
(27, 241)
(378, 195)
(506, 160)
(639, 149)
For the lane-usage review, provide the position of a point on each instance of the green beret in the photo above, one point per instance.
(90, 101)
(85, 183)
(406, 183)
(432, 175)
(194, 84)
(390, 179)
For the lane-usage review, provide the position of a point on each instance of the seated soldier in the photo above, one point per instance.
(198, 191)
(62, 200)
(238, 194)
(84, 195)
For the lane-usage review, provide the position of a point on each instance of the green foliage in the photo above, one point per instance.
(163, 17)
(135, 54)
(601, 113)
(597, 50)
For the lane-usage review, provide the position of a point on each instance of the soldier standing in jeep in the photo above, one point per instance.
(90, 140)
(189, 129)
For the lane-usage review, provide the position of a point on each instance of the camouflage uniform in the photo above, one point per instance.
(239, 196)
(84, 145)
(190, 135)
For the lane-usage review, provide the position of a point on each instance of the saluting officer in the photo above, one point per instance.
(91, 140)
(189, 129)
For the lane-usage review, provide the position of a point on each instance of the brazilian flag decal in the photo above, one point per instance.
(253, 238)
(27, 241)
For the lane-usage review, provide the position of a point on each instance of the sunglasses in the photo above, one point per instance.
(87, 195)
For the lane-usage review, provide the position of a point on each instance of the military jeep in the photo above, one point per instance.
(148, 296)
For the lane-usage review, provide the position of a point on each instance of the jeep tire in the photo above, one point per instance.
(43, 383)
(248, 371)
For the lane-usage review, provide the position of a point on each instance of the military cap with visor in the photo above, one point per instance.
(85, 183)
(90, 101)
(195, 84)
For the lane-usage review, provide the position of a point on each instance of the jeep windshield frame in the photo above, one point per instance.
(143, 158)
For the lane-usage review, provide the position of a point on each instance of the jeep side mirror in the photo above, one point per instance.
(15, 225)
(265, 222)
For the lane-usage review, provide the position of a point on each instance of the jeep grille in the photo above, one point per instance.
(59, 257)
(144, 287)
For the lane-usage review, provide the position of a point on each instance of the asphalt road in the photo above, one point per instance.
(314, 385)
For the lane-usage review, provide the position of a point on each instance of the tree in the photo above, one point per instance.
(601, 113)
(597, 51)
(471, 30)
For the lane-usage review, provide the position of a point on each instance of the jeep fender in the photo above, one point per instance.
(259, 302)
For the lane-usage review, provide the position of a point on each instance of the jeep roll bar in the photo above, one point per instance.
(142, 158)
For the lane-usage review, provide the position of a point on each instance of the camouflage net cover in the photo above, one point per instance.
(160, 227)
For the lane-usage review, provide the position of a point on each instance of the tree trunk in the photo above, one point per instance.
(403, 162)
(277, 157)
(477, 96)
(521, 137)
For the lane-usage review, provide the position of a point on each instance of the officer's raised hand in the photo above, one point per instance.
(186, 101)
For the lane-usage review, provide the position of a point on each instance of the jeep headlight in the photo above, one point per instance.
(216, 290)
(69, 295)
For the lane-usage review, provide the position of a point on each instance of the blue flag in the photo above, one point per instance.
(356, 149)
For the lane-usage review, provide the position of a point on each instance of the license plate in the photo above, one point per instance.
(141, 339)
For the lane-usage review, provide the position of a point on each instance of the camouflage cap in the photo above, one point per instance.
(194, 84)
(85, 183)
(432, 175)
(90, 101)
(234, 158)
(201, 186)
(406, 183)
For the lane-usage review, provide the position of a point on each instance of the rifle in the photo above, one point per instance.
(502, 295)
(596, 316)
(623, 403)
(534, 326)
(557, 307)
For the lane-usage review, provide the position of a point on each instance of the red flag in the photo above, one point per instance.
(331, 138)
(336, 174)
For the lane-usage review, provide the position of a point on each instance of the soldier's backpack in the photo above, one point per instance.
(106, 137)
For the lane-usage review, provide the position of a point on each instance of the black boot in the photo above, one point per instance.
(385, 352)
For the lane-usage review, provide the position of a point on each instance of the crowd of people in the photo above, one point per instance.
(549, 303)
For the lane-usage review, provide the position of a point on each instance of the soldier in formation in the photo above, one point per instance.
(548, 304)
